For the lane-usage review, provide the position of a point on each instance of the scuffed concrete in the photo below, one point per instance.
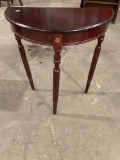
(86, 127)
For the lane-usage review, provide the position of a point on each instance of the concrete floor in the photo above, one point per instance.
(86, 127)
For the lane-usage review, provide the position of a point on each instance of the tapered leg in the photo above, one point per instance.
(115, 14)
(21, 2)
(94, 62)
(25, 61)
(12, 1)
(82, 5)
(57, 45)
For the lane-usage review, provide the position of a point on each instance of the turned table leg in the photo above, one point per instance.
(94, 62)
(25, 61)
(57, 46)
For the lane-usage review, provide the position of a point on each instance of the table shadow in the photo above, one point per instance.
(11, 94)
(69, 75)
(90, 117)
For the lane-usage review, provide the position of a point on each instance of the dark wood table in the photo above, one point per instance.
(58, 27)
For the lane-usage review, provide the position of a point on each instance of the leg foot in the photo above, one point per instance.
(54, 108)
(21, 2)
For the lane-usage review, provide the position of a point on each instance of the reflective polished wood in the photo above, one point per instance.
(58, 27)
(114, 4)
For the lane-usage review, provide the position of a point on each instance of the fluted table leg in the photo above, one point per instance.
(94, 62)
(25, 61)
(57, 46)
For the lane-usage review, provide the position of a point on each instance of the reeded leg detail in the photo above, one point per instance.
(57, 45)
(25, 61)
(94, 62)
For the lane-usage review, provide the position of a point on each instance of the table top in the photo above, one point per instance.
(58, 19)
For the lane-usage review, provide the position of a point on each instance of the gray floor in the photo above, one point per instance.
(86, 127)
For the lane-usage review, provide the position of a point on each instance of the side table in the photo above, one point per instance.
(58, 27)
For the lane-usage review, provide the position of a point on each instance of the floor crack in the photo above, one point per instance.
(55, 139)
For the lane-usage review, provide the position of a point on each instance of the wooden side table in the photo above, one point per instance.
(8, 2)
(114, 4)
(58, 27)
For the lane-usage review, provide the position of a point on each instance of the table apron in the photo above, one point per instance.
(68, 38)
